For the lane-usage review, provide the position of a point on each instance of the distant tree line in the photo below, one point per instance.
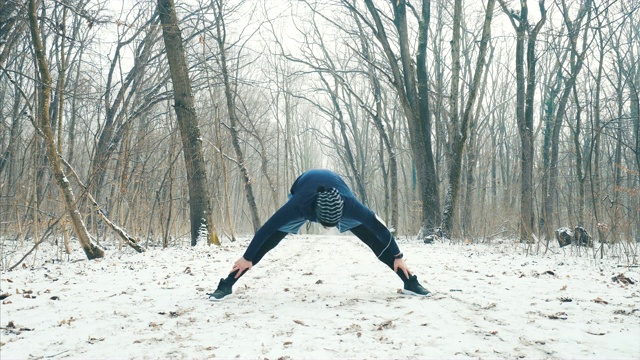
(156, 122)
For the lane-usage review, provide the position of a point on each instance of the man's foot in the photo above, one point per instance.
(413, 287)
(221, 292)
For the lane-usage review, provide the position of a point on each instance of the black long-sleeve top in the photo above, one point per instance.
(300, 208)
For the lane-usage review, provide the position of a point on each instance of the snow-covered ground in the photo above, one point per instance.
(321, 297)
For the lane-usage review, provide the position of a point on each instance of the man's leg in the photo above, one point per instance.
(411, 285)
(380, 250)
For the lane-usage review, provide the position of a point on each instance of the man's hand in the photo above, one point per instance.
(241, 265)
(400, 264)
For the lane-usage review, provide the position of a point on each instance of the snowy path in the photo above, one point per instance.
(307, 300)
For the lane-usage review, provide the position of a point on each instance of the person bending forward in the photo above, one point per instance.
(322, 196)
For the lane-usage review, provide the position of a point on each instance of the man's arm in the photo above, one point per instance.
(285, 215)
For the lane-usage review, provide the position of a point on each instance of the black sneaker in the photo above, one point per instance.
(221, 292)
(413, 287)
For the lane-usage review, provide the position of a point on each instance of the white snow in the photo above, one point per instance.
(203, 232)
(320, 297)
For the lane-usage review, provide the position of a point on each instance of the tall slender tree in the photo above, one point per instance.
(525, 36)
(576, 60)
(44, 123)
(411, 82)
(461, 130)
(199, 203)
(234, 121)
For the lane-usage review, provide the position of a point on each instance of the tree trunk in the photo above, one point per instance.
(199, 205)
(412, 86)
(421, 119)
(577, 130)
(575, 63)
(234, 121)
(461, 131)
(92, 251)
(524, 109)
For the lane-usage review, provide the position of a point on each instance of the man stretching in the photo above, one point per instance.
(322, 196)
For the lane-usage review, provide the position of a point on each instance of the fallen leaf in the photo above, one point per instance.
(625, 312)
(620, 278)
(597, 334)
(386, 325)
(559, 316)
(600, 301)
(319, 282)
(93, 340)
(299, 322)
(490, 306)
(67, 322)
(288, 343)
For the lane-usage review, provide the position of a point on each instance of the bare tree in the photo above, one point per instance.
(461, 130)
(199, 205)
(576, 60)
(410, 80)
(234, 122)
(526, 87)
(91, 250)
(378, 114)
(117, 102)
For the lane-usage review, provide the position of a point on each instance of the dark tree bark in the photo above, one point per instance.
(199, 204)
(411, 83)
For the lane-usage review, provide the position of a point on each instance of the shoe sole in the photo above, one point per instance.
(213, 299)
(411, 293)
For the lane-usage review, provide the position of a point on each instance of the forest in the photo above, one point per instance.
(154, 123)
